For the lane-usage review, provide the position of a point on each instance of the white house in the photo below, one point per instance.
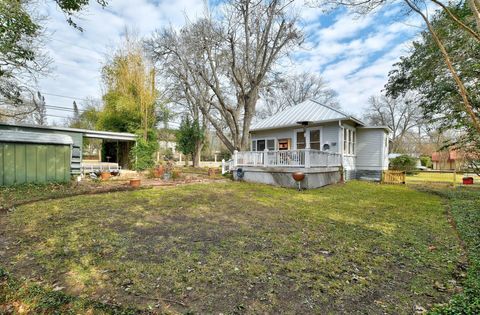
(319, 141)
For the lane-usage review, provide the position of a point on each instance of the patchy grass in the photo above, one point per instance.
(464, 205)
(21, 297)
(240, 248)
(16, 195)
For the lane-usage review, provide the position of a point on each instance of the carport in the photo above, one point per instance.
(116, 146)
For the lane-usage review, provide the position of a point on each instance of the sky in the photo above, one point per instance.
(353, 54)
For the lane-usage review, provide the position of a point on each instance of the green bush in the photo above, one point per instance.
(403, 163)
(426, 161)
(142, 154)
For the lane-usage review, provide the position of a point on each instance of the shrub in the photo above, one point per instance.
(403, 163)
(142, 155)
(426, 161)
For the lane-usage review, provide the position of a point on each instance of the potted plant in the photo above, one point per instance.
(135, 182)
(105, 175)
(158, 171)
(168, 170)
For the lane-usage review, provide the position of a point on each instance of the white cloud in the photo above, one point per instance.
(354, 54)
(78, 56)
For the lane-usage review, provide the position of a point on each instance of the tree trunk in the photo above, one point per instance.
(250, 104)
(475, 7)
(186, 159)
(197, 154)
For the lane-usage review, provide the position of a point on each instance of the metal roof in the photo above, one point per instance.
(34, 137)
(310, 110)
(378, 127)
(86, 133)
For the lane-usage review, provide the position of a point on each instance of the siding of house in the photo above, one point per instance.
(330, 134)
(371, 149)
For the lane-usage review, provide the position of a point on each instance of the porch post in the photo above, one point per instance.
(265, 157)
(235, 157)
(307, 158)
(223, 166)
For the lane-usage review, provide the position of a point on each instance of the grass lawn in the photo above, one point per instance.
(233, 248)
(437, 177)
(464, 207)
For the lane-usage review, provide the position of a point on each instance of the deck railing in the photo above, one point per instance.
(292, 158)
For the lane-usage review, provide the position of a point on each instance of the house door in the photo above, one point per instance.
(301, 141)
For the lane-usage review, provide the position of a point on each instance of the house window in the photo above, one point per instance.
(349, 139)
(260, 145)
(271, 144)
(315, 139)
(300, 140)
(283, 144)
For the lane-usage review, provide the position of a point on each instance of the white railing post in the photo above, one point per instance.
(307, 158)
(327, 160)
(265, 157)
(223, 166)
(235, 157)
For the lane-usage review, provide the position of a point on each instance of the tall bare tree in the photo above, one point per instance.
(401, 115)
(234, 55)
(287, 91)
(40, 114)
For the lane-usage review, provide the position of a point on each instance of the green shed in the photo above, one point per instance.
(31, 157)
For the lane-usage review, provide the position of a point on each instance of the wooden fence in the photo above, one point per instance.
(450, 178)
(393, 177)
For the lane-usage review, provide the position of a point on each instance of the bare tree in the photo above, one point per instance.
(233, 55)
(185, 90)
(401, 115)
(288, 91)
(40, 114)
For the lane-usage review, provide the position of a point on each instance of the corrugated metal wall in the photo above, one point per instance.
(33, 163)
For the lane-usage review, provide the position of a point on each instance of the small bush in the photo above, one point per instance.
(404, 163)
(426, 161)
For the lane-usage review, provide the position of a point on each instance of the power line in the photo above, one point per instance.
(65, 96)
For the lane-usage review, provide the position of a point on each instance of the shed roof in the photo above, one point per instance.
(310, 110)
(97, 134)
(34, 137)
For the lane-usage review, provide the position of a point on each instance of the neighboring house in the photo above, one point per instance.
(316, 139)
(447, 160)
(168, 145)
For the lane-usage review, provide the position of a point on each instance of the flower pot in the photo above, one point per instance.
(468, 180)
(105, 175)
(135, 182)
